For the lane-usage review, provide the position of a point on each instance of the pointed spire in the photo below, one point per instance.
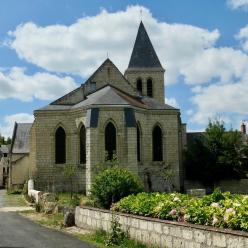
(143, 55)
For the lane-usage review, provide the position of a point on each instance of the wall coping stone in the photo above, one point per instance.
(174, 223)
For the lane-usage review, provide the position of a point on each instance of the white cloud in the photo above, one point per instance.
(172, 102)
(6, 129)
(226, 101)
(218, 75)
(45, 86)
(224, 64)
(82, 46)
(238, 4)
(243, 37)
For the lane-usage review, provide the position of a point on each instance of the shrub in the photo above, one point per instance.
(38, 207)
(116, 235)
(218, 209)
(25, 189)
(112, 184)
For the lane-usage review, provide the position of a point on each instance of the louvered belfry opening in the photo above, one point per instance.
(60, 146)
(157, 144)
(82, 145)
(110, 141)
(149, 88)
(139, 86)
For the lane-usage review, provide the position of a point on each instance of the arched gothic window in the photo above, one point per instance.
(60, 146)
(138, 143)
(149, 88)
(157, 144)
(82, 145)
(110, 140)
(139, 85)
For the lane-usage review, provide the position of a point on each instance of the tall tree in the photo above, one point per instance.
(216, 154)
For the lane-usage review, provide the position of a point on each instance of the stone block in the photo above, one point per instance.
(166, 229)
(143, 224)
(176, 231)
(187, 234)
(178, 243)
(219, 240)
(157, 228)
(199, 236)
(150, 226)
(166, 241)
(188, 244)
(155, 239)
(235, 242)
(135, 223)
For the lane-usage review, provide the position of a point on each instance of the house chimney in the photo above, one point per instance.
(243, 128)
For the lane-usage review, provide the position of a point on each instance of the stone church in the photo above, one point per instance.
(111, 114)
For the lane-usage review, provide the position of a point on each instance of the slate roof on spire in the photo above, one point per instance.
(143, 55)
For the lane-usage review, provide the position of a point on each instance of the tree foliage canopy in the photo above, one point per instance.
(217, 154)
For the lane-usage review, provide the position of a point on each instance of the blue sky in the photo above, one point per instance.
(49, 47)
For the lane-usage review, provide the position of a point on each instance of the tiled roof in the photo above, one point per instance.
(143, 55)
(112, 96)
(21, 138)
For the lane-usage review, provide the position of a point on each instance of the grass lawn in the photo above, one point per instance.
(12, 200)
(65, 199)
(99, 238)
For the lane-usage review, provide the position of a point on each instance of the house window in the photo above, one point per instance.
(138, 143)
(5, 155)
(3, 170)
(157, 144)
(149, 88)
(110, 140)
(60, 146)
(139, 86)
(82, 145)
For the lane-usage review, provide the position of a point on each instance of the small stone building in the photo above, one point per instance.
(21, 166)
(4, 165)
(111, 114)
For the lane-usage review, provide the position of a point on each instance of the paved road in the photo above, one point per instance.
(19, 232)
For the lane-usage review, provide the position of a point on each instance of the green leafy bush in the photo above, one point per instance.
(218, 209)
(116, 236)
(112, 184)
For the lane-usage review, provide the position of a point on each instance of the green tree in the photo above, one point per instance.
(216, 154)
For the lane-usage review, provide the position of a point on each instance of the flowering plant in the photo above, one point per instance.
(218, 209)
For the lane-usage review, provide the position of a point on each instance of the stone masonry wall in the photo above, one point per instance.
(49, 174)
(165, 234)
(157, 77)
(168, 122)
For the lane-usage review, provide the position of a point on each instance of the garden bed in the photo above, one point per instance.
(162, 233)
(218, 209)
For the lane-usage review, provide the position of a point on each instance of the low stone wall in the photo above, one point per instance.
(162, 233)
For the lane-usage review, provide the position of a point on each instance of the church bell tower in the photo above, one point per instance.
(145, 71)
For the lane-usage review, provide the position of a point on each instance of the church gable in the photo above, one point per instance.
(107, 73)
(71, 98)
